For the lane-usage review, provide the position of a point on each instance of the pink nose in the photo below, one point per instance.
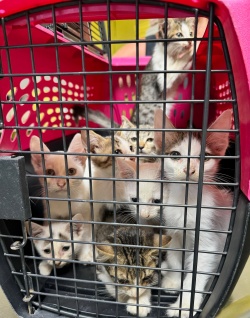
(191, 170)
(61, 183)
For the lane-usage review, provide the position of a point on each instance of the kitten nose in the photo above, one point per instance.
(61, 183)
(191, 171)
(141, 147)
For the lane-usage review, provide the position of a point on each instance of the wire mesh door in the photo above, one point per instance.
(132, 160)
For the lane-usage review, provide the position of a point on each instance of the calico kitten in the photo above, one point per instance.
(179, 57)
(146, 138)
(127, 255)
(62, 249)
(101, 166)
(57, 187)
(176, 145)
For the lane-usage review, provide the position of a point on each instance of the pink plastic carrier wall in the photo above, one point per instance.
(232, 16)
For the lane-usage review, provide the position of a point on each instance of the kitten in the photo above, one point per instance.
(178, 57)
(176, 144)
(57, 187)
(62, 250)
(146, 138)
(127, 255)
(101, 166)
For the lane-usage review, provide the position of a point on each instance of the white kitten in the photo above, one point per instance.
(176, 144)
(57, 187)
(63, 248)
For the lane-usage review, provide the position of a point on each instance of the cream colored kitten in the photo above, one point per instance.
(57, 187)
(63, 248)
(101, 166)
(145, 144)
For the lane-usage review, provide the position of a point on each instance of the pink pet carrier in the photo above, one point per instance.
(45, 74)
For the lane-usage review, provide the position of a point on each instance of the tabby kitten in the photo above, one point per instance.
(56, 185)
(127, 255)
(101, 166)
(146, 144)
(63, 248)
(178, 57)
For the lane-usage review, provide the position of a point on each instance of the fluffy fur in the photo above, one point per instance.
(176, 144)
(179, 57)
(127, 255)
(63, 248)
(56, 185)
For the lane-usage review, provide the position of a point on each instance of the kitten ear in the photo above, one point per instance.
(105, 252)
(126, 168)
(36, 229)
(77, 227)
(36, 159)
(76, 145)
(191, 22)
(126, 123)
(218, 142)
(95, 140)
(165, 240)
(170, 137)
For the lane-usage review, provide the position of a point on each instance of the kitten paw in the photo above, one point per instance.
(169, 283)
(86, 256)
(185, 305)
(142, 311)
(175, 313)
(44, 268)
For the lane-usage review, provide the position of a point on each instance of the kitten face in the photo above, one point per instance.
(60, 231)
(103, 145)
(55, 166)
(146, 137)
(176, 145)
(178, 29)
(128, 256)
(150, 198)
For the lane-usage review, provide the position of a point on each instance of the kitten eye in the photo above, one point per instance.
(50, 172)
(150, 139)
(207, 154)
(71, 171)
(134, 199)
(118, 151)
(148, 279)
(133, 139)
(179, 34)
(174, 154)
(47, 251)
(157, 201)
(66, 248)
(123, 281)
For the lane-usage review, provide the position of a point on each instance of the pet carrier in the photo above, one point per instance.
(58, 68)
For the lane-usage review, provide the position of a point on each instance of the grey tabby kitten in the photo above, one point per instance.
(126, 277)
(178, 57)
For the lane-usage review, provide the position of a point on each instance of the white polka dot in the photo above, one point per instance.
(47, 78)
(24, 83)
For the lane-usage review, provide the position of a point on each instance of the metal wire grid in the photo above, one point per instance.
(37, 286)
